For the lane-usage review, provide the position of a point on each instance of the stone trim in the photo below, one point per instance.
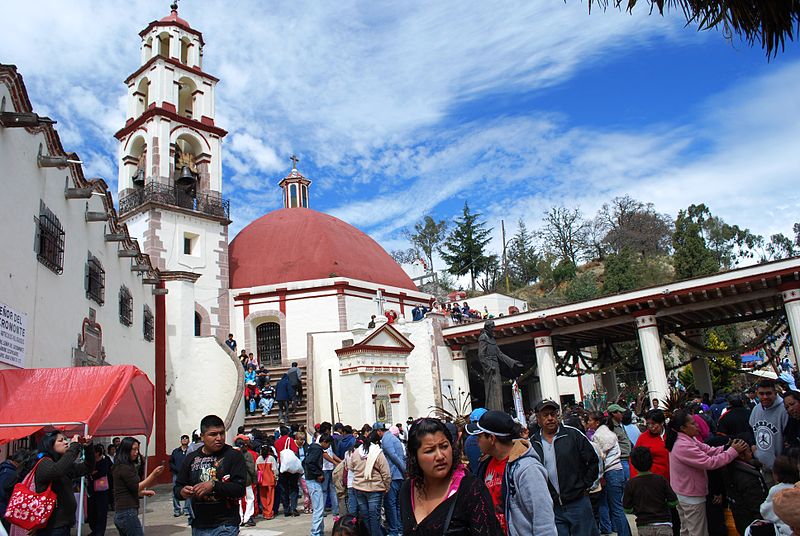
(250, 331)
(205, 320)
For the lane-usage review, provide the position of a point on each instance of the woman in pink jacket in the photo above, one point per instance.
(689, 459)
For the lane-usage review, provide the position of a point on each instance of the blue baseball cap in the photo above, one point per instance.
(476, 414)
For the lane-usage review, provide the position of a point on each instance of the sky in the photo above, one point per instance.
(398, 110)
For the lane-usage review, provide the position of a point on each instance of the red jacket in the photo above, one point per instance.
(280, 444)
(658, 451)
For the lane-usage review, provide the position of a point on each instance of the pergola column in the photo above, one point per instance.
(791, 303)
(650, 344)
(609, 379)
(546, 365)
(700, 369)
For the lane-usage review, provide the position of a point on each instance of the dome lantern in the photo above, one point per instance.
(295, 188)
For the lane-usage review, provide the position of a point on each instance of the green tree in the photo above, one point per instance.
(582, 287)
(489, 273)
(522, 257)
(691, 256)
(427, 236)
(464, 249)
(404, 256)
(622, 272)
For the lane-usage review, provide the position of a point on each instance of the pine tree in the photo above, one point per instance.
(523, 259)
(464, 249)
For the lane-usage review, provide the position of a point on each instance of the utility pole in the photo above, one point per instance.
(505, 270)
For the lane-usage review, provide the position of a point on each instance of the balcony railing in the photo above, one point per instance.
(210, 203)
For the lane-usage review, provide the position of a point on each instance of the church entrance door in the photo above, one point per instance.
(268, 343)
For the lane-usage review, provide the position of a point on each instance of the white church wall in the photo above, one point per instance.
(304, 316)
(56, 305)
(206, 236)
(349, 400)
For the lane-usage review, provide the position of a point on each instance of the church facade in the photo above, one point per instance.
(295, 285)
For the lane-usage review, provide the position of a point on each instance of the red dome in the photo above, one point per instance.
(299, 244)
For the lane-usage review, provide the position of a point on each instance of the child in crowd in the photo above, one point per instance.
(350, 525)
(784, 471)
(746, 489)
(649, 497)
(267, 467)
(787, 508)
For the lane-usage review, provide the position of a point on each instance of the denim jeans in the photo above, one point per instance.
(127, 522)
(222, 530)
(176, 504)
(352, 502)
(575, 518)
(369, 507)
(317, 506)
(391, 505)
(266, 405)
(626, 469)
(330, 491)
(611, 505)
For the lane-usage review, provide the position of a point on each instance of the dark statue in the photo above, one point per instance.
(490, 356)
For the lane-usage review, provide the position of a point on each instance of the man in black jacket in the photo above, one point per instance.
(214, 477)
(176, 460)
(572, 469)
(314, 478)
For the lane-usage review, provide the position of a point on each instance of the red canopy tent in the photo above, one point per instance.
(100, 401)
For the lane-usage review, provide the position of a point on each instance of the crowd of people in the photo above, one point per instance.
(565, 473)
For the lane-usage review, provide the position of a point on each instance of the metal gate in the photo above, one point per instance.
(268, 343)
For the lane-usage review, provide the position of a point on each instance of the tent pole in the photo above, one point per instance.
(83, 484)
(144, 499)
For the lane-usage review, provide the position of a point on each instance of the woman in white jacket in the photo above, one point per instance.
(371, 479)
(611, 512)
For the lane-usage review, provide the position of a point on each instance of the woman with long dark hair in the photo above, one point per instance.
(57, 468)
(689, 459)
(371, 480)
(441, 496)
(128, 487)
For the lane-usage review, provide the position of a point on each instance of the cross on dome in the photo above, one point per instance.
(294, 160)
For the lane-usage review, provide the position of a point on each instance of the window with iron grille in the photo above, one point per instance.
(95, 280)
(125, 306)
(49, 243)
(148, 325)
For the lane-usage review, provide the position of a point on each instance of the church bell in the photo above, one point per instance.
(186, 178)
(138, 178)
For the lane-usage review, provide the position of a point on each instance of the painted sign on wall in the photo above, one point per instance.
(13, 326)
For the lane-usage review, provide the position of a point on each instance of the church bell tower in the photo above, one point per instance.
(170, 172)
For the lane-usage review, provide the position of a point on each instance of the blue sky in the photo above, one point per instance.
(401, 109)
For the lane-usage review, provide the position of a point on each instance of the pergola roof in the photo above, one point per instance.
(749, 293)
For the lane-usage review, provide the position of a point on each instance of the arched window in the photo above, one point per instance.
(185, 50)
(383, 403)
(186, 89)
(305, 196)
(293, 195)
(142, 95)
(163, 45)
(268, 343)
(198, 324)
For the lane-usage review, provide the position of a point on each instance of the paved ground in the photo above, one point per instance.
(160, 522)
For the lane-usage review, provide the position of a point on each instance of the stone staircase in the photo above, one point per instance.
(298, 416)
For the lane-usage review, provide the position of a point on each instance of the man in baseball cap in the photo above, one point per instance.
(512, 464)
(571, 465)
(471, 449)
(616, 412)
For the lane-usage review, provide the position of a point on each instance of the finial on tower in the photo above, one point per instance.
(294, 160)
(174, 6)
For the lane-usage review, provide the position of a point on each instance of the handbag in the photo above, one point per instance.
(101, 484)
(290, 463)
(26, 508)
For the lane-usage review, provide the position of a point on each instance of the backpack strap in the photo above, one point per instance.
(450, 511)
